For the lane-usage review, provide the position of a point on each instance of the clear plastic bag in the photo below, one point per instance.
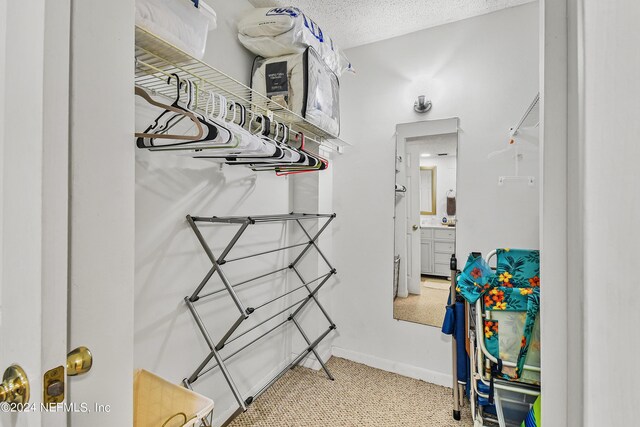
(277, 31)
(304, 84)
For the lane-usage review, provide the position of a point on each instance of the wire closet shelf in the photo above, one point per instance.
(302, 295)
(156, 60)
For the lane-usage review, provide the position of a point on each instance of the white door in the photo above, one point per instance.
(34, 66)
(413, 220)
(102, 209)
(400, 218)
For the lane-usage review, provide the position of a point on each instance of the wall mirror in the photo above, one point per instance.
(428, 190)
(425, 220)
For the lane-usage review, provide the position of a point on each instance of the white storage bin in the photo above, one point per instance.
(516, 406)
(158, 403)
(178, 22)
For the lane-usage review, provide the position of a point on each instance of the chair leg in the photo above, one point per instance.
(498, 403)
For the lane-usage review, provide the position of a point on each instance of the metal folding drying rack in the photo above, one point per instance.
(244, 312)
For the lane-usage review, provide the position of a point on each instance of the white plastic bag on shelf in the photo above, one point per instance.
(276, 31)
(303, 83)
(178, 22)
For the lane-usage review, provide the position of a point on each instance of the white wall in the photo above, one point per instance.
(170, 262)
(224, 51)
(611, 97)
(313, 193)
(483, 70)
(445, 181)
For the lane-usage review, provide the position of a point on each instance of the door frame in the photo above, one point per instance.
(561, 214)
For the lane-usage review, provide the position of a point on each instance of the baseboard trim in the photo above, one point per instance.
(403, 369)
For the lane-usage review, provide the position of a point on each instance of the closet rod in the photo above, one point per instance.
(516, 129)
(243, 282)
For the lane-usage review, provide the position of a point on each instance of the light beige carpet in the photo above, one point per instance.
(430, 282)
(427, 308)
(360, 396)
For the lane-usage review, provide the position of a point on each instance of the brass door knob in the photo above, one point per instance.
(79, 361)
(415, 227)
(15, 386)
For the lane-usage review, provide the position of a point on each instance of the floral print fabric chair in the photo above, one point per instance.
(510, 302)
(512, 305)
(475, 279)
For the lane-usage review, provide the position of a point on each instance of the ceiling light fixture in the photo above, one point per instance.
(425, 155)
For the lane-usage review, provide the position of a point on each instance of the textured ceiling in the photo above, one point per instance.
(356, 22)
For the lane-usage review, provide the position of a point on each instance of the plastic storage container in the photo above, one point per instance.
(159, 403)
(515, 406)
(178, 22)
(304, 84)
